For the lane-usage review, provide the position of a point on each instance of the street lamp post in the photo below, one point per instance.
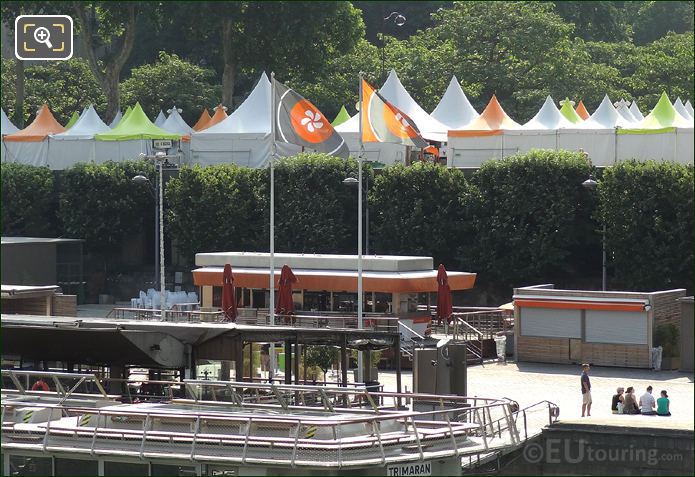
(352, 182)
(591, 184)
(399, 20)
(159, 158)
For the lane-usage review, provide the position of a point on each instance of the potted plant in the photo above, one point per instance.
(667, 336)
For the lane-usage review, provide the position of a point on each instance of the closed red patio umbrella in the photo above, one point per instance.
(228, 295)
(285, 305)
(444, 308)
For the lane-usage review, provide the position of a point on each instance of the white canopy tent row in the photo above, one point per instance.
(174, 123)
(6, 127)
(610, 135)
(77, 142)
(159, 120)
(682, 110)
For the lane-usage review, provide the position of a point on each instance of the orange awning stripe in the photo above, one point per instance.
(328, 282)
(475, 133)
(580, 305)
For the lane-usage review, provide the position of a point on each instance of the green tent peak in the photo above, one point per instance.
(135, 125)
(568, 112)
(342, 116)
(73, 119)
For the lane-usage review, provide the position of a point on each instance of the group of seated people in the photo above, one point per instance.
(625, 402)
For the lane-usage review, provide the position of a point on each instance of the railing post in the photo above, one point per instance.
(45, 436)
(525, 426)
(195, 438)
(246, 440)
(375, 425)
(417, 438)
(145, 427)
(296, 443)
(94, 435)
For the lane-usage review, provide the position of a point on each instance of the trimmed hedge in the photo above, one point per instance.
(27, 201)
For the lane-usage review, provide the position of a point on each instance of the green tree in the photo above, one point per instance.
(648, 211)
(101, 204)
(27, 200)
(652, 20)
(108, 33)
(527, 222)
(596, 20)
(66, 86)
(321, 356)
(415, 211)
(216, 208)
(168, 82)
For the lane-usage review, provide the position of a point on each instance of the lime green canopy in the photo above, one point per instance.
(568, 112)
(73, 119)
(663, 118)
(341, 117)
(135, 125)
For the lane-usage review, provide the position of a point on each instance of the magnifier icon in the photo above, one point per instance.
(42, 35)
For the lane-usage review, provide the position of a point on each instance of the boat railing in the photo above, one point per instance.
(303, 436)
(60, 385)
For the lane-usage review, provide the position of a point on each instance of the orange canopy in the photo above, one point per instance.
(203, 120)
(219, 116)
(491, 122)
(582, 111)
(43, 125)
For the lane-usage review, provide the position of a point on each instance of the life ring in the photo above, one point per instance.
(40, 385)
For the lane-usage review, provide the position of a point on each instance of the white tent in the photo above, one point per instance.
(607, 116)
(175, 124)
(380, 152)
(159, 120)
(548, 117)
(116, 120)
(77, 144)
(634, 109)
(454, 110)
(6, 127)
(682, 110)
(243, 137)
(689, 108)
(394, 92)
(540, 132)
(623, 109)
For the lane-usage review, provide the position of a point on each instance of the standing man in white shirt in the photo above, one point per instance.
(647, 403)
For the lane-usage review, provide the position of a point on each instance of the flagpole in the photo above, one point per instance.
(271, 305)
(360, 292)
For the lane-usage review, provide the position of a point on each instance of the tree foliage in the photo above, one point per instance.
(168, 82)
(648, 211)
(322, 356)
(27, 200)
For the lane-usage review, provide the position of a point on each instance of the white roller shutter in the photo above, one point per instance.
(624, 327)
(555, 323)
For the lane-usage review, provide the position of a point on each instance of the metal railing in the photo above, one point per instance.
(272, 427)
(462, 330)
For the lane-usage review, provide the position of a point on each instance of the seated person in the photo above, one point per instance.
(629, 402)
(617, 403)
(663, 405)
(647, 403)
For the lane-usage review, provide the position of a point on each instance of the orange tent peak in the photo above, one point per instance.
(203, 120)
(42, 126)
(582, 111)
(218, 117)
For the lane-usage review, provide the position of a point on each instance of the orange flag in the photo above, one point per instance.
(383, 122)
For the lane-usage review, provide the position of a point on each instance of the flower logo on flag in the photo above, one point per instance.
(312, 121)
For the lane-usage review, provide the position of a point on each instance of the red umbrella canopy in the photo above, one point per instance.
(228, 295)
(285, 304)
(444, 308)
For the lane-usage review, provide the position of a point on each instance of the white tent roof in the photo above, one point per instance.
(623, 109)
(175, 123)
(116, 120)
(159, 120)
(394, 92)
(352, 125)
(7, 127)
(548, 117)
(86, 127)
(253, 116)
(682, 110)
(689, 108)
(454, 110)
(634, 109)
(606, 116)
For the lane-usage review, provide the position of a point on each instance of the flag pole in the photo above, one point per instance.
(360, 292)
(271, 305)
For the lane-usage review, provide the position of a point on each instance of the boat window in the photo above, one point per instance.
(76, 467)
(20, 465)
(220, 471)
(172, 470)
(125, 468)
